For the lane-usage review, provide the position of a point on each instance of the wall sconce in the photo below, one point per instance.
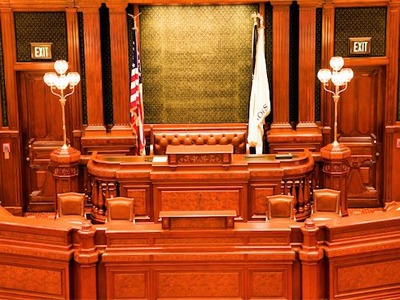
(340, 78)
(60, 81)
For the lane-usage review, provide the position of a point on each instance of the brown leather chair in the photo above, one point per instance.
(71, 206)
(326, 204)
(280, 206)
(120, 209)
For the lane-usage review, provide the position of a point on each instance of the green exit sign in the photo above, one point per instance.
(41, 50)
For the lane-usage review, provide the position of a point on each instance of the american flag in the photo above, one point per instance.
(136, 99)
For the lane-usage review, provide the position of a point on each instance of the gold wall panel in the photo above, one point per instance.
(196, 63)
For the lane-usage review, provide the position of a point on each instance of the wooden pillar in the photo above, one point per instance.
(85, 270)
(392, 84)
(307, 72)
(9, 59)
(119, 63)
(336, 168)
(280, 57)
(280, 71)
(310, 256)
(74, 65)
(328, 44)
(93, 69)
(11, 190)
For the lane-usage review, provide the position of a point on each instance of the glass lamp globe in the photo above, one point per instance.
(61, 66)
(324, 75)
(61, 82)
(338, 78)
(336, 63)
(73, 78)
(50, 78)
(347, 74)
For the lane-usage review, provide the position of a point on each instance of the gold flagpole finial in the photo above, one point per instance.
(134, 20)
(258, 20)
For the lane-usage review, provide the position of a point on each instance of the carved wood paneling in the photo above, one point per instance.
(141, 195)
(218, 198)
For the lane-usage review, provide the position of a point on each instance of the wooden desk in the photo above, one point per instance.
(157, 185)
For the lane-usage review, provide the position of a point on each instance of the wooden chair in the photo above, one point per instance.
(280, 206)
(71, 206)
(326, 204)
(120, 209)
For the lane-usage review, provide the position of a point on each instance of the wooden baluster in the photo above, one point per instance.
(295, 199)
(104, 195)
(95, 195)
(301, 196)
(307, 194)
(285, 187)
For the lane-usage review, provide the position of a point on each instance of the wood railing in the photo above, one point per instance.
(354, 257)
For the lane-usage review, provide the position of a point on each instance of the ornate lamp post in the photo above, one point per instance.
(340, 78)
(64, 160)
(60, 82)
(335, 155)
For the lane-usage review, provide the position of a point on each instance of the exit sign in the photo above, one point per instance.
(360, 45)
(41, 50)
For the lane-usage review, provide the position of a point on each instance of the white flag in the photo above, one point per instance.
(260, 104)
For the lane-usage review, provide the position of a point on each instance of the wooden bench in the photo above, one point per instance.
(236, 136)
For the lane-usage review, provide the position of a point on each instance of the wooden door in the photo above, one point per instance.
(360, 126)
(41, 126)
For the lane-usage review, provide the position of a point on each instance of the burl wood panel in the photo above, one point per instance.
(141, 196)
(201, 199)
(363, 273)
(260, 199)
(128, 285)
(203, 282)
(35, 281)
(270, 283)
(198, 223)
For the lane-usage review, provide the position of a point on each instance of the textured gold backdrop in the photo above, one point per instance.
(196, 63)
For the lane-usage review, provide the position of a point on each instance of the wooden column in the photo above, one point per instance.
(74, 65)
(392, 85)
(310, 256)
(11, 178)
(119, 63)
(86, 258)
(328, 35)
(280, 71)
(9, 59)
(307, 127)
(93, 69)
